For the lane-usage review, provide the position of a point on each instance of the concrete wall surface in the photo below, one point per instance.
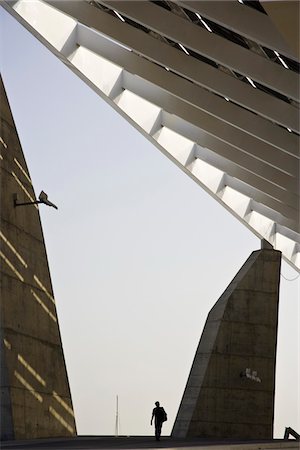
(35, 394)
(230, 389)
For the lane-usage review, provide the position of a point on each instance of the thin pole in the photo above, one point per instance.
(117, 418)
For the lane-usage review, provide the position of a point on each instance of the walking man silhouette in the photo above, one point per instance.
(160, 416)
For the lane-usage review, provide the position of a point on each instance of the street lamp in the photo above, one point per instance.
(43, 198)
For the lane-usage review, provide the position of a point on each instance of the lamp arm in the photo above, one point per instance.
(27, 203)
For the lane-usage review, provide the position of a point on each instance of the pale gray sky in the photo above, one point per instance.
(138, 252)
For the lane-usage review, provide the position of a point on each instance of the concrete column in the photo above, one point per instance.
(35, 395)
(230, 389)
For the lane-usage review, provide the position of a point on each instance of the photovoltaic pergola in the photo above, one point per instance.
(213, 85)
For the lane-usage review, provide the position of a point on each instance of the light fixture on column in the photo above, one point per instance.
(43, 198)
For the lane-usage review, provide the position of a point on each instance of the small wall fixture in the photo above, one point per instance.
(43, 198)
(250, 374)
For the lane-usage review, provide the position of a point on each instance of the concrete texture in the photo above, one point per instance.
(35, 394)
(224, 397)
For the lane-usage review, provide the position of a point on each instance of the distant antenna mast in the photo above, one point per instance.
(117, 418)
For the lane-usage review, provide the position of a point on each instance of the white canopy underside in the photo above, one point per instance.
(198, 81)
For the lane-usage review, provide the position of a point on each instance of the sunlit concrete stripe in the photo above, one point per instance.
(11, 266)
(40, 284)
(22, 170)
(55, 27)
(23, 188)
(45, 308)
(200, 73)
(63, 403)
(13, 249)
(31, 370)
(245, 21)
(28, 386)
(2, 142)
(141, 76)
(61, 420)
(210, 45)
(7, 344)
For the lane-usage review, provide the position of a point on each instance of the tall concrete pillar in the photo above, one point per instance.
(230, 389)
(35, 394)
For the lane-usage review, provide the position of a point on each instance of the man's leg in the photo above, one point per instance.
(158, 430)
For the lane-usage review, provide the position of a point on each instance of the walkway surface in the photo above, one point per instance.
(145, 442)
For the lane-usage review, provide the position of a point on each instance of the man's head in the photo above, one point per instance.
(157, 403)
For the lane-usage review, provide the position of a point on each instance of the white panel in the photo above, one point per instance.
(238, 202)
(50, 23)
(178, 146)
(208, 175)
(261, 223)
(296, 259)
(142, 112)
(286, 245)
(101, 72)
